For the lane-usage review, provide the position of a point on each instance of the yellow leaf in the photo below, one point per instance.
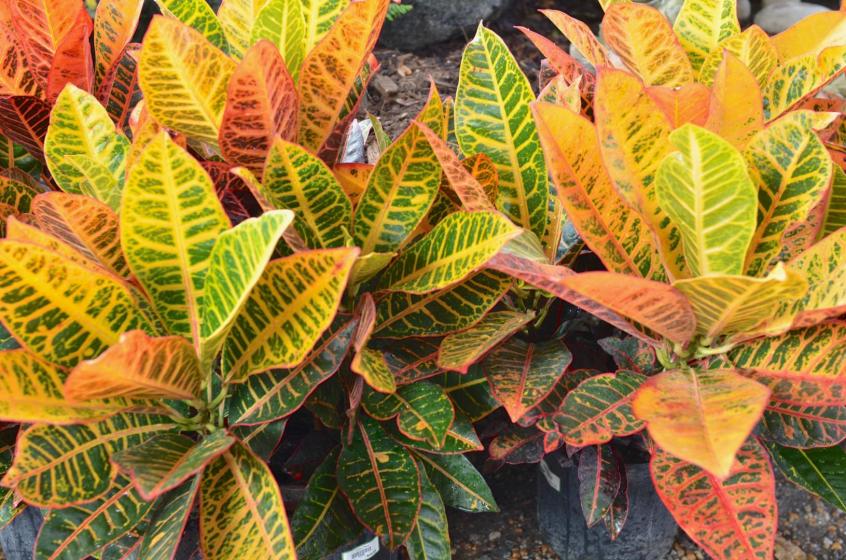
(736, 111)
(703, 24)
(753, 48)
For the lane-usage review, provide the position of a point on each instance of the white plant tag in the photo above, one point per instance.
(363, 551)
(551, 478)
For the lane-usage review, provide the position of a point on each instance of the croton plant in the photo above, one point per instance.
(189, 263)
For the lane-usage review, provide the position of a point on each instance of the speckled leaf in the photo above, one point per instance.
(61, 465)
(114, 24)
(165, 461)
(184, 79)
(170, 220)
(297, 180)
(731, 518)
(381, 481)
(492, 117)
(599, 409)
(422, 409)
(796, 425)
(241, 510)
(644, 40)
(370, 364)
(461, 486)
(461, 438)
(69, 312)
(703, 24)
(288, 309)
(701, 416)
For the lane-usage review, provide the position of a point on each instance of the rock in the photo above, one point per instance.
(494, 535)
(744, 9)
(669, 8)
(786, 550)
(434, 21)
(778, 16)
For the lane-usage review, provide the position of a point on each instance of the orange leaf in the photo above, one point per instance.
(580, 35)
(261, 103)
(72, 63)
(737, 108)
(614, 298)
(561, 61)
(685, 104)
(40, 26)
(607, 225)
(15, 75)
(701, 416)
(731, 519)
(24, 120)
(646, 43)
(331, 68)
(353, 178)
(114, 24)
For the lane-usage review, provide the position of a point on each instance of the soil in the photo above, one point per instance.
(809, 529)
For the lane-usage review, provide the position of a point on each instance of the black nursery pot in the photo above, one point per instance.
(649, 531)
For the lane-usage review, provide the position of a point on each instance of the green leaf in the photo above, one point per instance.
(460, 350)
(792, 169)
(820, 471)
(492, 117)
(69, 327)
(707, 192)
(282, 23)
(84, 152)
(302, 293)
(600, 479)
(199, 15)
(262, 439)
(461, 437)
(61, 465)
(299, 181)
(459, 483)
(599, 409)
(423, 411)
(165, 461)
(78, 531)
(320, 15)
(469, 392)
(323, 520)
(399, 192)
(457, 246)
(168, 521)
(703, 24)
(411, 359)
(441, 312)
(242, 514)
(430, 538)
(236, 262)
(170, 220)
(523, 374)
(835, 214)
(279, 392)
(381, 481)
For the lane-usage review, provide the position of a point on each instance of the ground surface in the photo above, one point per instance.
(808, 528)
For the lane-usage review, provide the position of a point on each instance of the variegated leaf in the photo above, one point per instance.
(791, 168)
(423, 411)
(61, 465)
(693, 186)
(702, 25)
(330, 69)
(241, 510)
(601, 474)
(615, 232)
(735, 305)
(381, 480)
(261, 104)
(492, 117)
(457, 246)
(430, 537)
(522, 374)
(459, 483)
(288, 309)
(460, 350)
(165, 461)
(168, 521)
(184, 78)
(371, 365)
(730, 518)
(644, 40)
(752, 48)
(282, 23)
(278, 393)
(114, 24)
(63, 311)
(320, 16)
(579, 35)
(238, 19)
(84, 152)
(24, 120)
(171, 218)
(80, 530)
(599, 409)
(440, 312)
(299, 181)
(236, 263)
(796, 425)
(399, 192)
(469, 392)
(139, 367)
(120, 92)
(198, 15)
(701, 416)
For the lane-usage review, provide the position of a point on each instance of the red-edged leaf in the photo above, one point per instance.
(600, 479)
(522, 374)
(235, 195)
(15, 75)
(24, 120)
(568, 67)
(119, 90)
(72, 62)
(732, 519)
(801, 426)
(614, 298)
(599, 409)
(517, 446)
(261, 104)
